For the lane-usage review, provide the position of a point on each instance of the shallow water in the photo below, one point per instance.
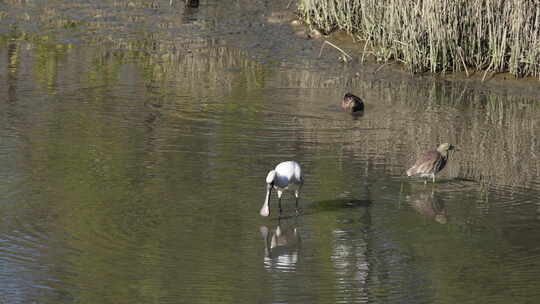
(136, 137)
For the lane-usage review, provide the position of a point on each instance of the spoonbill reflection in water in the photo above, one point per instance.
(286, 176)
(281, 246)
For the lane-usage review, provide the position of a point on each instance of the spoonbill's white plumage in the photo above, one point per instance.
(286, 176)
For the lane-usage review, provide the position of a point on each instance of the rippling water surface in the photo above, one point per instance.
(135, 138)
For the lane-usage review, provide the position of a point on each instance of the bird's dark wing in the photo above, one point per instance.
(428, 157)
(357, 99)
(425, 163)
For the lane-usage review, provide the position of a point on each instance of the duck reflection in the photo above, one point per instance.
(281, 246)
(191, 10)
(428, 204)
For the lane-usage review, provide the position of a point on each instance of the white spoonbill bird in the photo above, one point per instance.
(286, 176)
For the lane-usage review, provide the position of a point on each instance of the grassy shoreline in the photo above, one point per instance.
(438, 36)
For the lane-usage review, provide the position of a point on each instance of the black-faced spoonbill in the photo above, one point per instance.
(286, 176)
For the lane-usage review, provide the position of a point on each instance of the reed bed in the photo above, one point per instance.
(439, 35)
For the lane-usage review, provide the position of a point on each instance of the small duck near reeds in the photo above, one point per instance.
(352, 103)
(430, 163)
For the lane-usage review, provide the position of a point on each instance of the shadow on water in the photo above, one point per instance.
(357, 115)
(338, 204)
(320, 207)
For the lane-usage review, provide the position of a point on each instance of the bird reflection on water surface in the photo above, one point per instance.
(428, 204)
(281, 245)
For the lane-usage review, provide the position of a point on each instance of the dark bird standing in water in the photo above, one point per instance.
(430, 163)
(352, 103)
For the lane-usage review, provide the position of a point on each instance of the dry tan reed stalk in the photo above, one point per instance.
(439, 35)
(336, 47)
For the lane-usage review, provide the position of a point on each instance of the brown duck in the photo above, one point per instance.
(352, 103)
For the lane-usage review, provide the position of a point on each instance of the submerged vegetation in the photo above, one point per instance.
(439, 35)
